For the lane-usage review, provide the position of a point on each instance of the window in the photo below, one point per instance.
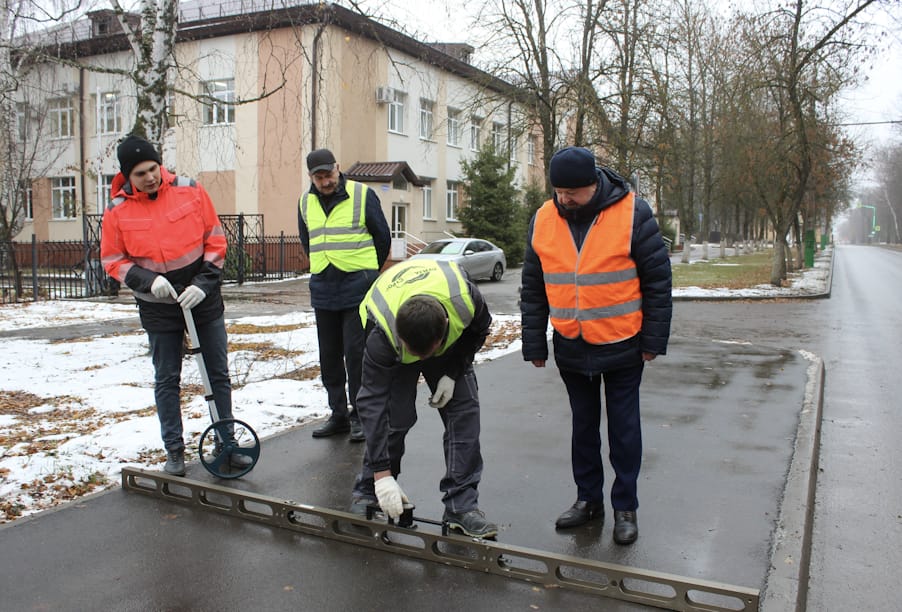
(396, 112)
(108, 121)
(27, 201)
(513, 147)
(498, 137)
(531, 150)
(59, 115)
(427, 201)
(452, 199)
(475, 136)
(453, 127)
(62, 195)
(426, 119)
(220, 105)
(400, 183)
(104, 194)
(23, 118)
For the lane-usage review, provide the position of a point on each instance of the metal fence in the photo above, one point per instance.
(48, 270)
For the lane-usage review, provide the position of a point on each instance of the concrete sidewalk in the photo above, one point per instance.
(720, 437)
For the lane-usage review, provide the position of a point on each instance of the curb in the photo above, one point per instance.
(786, 584)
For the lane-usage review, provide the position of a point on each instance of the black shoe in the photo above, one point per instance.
(580, 513)
(332, 426)
(626, 530)
(359, 504)
(472, 523)
(356, 431)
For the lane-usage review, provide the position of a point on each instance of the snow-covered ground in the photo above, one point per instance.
(73, 413)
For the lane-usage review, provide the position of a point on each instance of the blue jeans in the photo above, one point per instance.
(621, 394)
(166, 352)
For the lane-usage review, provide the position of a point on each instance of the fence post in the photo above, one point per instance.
(241, 248)
(281, 254)
(34, 268)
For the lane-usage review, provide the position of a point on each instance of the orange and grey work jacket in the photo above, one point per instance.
(176, 234)
(592, 292)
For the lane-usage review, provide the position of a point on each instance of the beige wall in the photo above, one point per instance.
(257, 165)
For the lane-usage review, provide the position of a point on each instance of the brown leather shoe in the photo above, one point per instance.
(626, 529)
(580, 513)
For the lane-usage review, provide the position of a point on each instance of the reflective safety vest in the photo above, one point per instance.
(592, 292)
(340, 238)
(442, 280)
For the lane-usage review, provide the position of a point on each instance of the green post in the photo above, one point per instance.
(809, 248)
(824, 241)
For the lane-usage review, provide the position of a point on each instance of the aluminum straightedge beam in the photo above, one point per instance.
(650, 588)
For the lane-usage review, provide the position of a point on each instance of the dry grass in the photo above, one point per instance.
(740, 272)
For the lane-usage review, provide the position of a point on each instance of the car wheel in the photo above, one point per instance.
(498, 272)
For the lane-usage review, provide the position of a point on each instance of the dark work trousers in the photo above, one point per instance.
(341, 341)
(166, 352)
(460, 417)
(621, 395)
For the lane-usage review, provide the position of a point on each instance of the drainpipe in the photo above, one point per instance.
(88, 270)
(314, 89)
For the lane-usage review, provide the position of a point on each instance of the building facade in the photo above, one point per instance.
(256, 90)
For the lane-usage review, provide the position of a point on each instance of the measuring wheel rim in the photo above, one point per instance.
(229, 448)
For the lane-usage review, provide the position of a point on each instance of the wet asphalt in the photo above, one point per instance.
(723, 493)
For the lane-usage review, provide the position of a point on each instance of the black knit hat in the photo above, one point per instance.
(572, 167)
(134, 150)
(321, 159)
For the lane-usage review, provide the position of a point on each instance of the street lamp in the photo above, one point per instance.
(873, 218)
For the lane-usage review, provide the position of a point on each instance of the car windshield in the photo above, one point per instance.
(445, 248)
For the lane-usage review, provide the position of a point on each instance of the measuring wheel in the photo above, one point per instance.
(229, 448)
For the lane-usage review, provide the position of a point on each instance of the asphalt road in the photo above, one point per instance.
(857, 533)
(720, 410)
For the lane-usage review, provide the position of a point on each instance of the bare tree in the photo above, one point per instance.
(804, 55)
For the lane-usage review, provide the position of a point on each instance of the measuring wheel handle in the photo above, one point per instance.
(229, 448)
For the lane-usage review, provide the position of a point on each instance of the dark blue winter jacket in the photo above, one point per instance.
(655, 281)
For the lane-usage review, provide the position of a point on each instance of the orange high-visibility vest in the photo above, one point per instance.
(592, 292)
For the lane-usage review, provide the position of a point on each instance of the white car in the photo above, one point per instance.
(479, 258)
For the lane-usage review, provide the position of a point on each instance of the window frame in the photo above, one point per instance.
(427, 202)
(498, 139)
(396, 112)
(223, 105)
(105, 192)
(58, 201)
(452, 200)
(453, 127)
(109, 117)
(475, 133)
(427, 119)
(60, 115)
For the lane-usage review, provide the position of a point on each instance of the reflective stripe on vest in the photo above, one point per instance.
(341, 238)
(592, 293)
(441, 279)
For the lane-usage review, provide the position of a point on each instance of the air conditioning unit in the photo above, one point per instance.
(385, 95)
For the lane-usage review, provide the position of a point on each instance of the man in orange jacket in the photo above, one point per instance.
(597, 268)
(161, 236)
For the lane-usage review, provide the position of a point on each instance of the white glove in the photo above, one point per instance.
(391, 497)
(162, 288)
(191, 297)
(443, 392)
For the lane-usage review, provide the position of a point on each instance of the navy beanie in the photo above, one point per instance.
(134, 150)
(572, 167)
